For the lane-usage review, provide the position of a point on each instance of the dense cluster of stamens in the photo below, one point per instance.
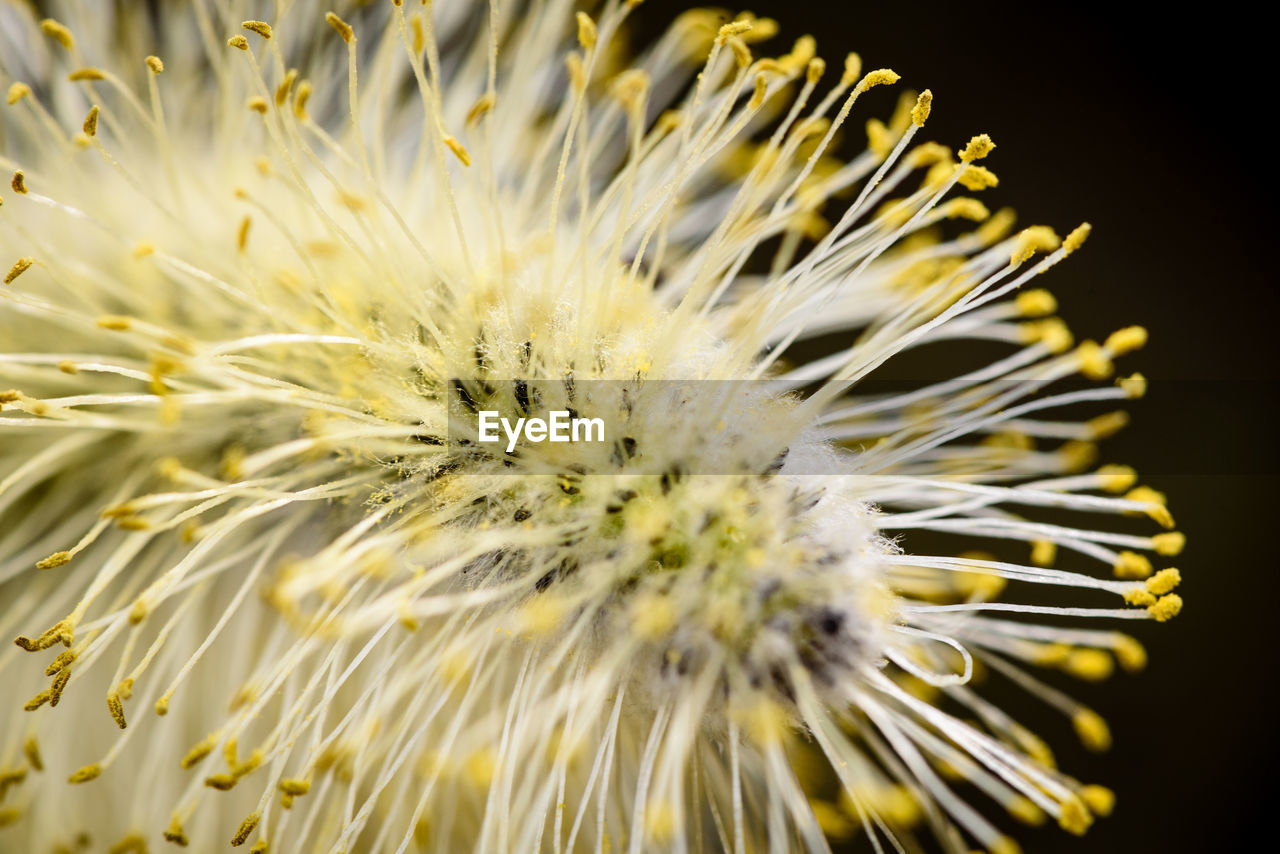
(263, 597)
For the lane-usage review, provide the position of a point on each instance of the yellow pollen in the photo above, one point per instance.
(879, 77)
(979, 147)
(342, 27)
(1035, 303)
(1166, 608)
(1131, 565)
(920, 113)
(58, 33)
(117, 710)
(815, 69)
(976, 178)
(1130, 653)
(483, 105)
(1043, 552)
(17, 92)
(458, 150)
(1139, 597)
(1126, 340)
(261, 28)
(1157, 510)
(238, 42)
(1091, 664)
(587, 33)
(1134, 386)
(246, 828)
(20, 266)
(91, 122)
(19, 182)
(1037, 238)
(1100, 800)
(300, 102)
(1092, 730)
(31, 749)
(1075, 817)
(286, 85)
(155, 64)
(258, 104)
(1093, 360)
(1076, 238)
(1169, 544)
(1164, 581)
(86, 74)
(85, 774)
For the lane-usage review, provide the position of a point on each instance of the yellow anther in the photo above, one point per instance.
(176, 834)
(1131, 654)
(587, 32)
(260, 27)
(815, 69)
(20, 266)
(199, 752)
(91, 122)
(19, 182)
(1076, 238)
(300, 102)
(117, 710)
(1004, 845)
(242, 234)
(86, 74)
(1169, 544)
(731, 29)
(1091, 664)
(259, 847)
(295, 787)
(31, 749)
(760, 90)
(920, 112)
(1052, 654)
(221, 782)
(248, 825)
(85, 774)
(258, 104)
(1077, 455)
(1092, 730)
(62, 662)
(10, 396)
(1037, 238)
(143, 249)
(1043, 552)
(741, 53)
(1025, 811)
(879, 77)
(1075, 816)
(1164, 581)
(155, 64)
(1131, 565)
(833, 822)
(1094, 361)
(481, 108)
(979, 147)
(1126, 340)
(286, 85)
(342, 27)
(58, 33)
(1035, 303)
(577, 74)
(1166, 607)
(17, 91)
(1139, 597)
(1107, 424)
(964, 208)
(853, 69)
(1116, 478)
(1157, 511)
(1100, 800)
(1134, 386)
(976, 178)
(995, 229)
(238, 42)
(125, 689)
(458, 150)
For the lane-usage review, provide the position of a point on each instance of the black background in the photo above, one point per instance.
(1155, 127)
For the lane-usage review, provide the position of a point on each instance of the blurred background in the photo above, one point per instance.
(1152, 125)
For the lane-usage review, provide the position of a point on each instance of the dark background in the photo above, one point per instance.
(1153, 126)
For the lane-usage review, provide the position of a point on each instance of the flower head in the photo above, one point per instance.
(267, 273)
